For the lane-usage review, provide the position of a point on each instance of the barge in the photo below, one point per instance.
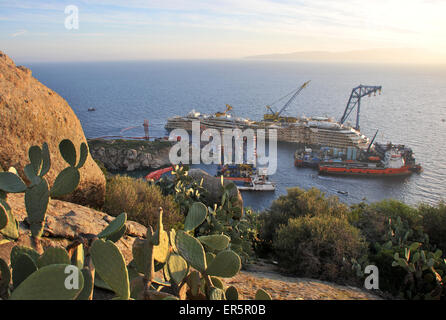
(381, 160)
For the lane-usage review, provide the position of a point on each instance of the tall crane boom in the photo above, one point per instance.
(355, 101)
(274, 116)
(292, 98)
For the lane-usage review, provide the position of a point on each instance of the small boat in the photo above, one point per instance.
(246, 177)
(91, 109)
(156, 175)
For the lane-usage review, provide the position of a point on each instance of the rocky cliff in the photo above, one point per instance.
(31, 114)
(130, 155)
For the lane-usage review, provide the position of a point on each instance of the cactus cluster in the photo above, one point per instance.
(37, 191)
(166, 265)
(227, 217)
(44, 276)
(425, 272)
(178, 265)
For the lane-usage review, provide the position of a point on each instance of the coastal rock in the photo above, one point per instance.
(64, 222)
(32, 114)
(130, 155)
(212, 185)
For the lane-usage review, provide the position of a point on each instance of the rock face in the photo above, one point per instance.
(64, 222)
(130, 155)
(32, 114)
(212, 185)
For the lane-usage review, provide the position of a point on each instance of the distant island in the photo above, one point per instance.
(400, 55)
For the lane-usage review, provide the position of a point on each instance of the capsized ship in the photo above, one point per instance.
(315, 131)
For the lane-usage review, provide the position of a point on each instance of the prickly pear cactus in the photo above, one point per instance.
(49, 283)
(37, 192)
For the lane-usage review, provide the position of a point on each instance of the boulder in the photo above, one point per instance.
(64, 222)
(32, 114)
(213, 188)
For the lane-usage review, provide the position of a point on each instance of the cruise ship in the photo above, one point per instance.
(316, 131)
(308, 131)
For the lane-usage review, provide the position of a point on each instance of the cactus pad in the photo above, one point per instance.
(196, 215)
(36, 203)
(78, 256)
(114, 227)
(216, 294)
(216, 241)
(17, 251)
(68, 152)
(83, 155)
(161, 251)
(23, 268)
(177, 267)
(11, 183)
(3, 217)
(87, 290)
(231, 293)
(262, 295)
(53, 255)
(48, 283)
(66, 182)
(191, 250)
(110, 265)
(46, 160)
(11, 230)
(5, 275)
(226, 264)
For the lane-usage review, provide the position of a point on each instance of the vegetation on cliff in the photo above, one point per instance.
(315, 236)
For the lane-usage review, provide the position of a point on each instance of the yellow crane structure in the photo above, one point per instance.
(276, 116)
(223, 114)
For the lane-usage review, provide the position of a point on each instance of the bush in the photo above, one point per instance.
(374, 220)
(434, 224)
(297, 203)
(141, 202)
(319, 247)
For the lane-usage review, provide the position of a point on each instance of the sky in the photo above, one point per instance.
(32, 31)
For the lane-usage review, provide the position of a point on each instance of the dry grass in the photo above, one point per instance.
(141, 202)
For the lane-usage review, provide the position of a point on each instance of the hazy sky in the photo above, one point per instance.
(33, 30)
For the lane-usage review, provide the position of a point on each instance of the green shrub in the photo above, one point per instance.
(434, 224)
(297, 203)
(140, 201)
(319, 247)
(374, 220)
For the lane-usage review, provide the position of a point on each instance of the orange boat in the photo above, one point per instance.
(395, 163)
(364, 169)
(156, 175)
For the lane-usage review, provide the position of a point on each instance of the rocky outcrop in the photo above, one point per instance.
(64, 222)
(130, 155)
(32, 114)
(213, 188)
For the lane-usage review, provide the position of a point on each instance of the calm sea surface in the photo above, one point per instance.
(411, 110)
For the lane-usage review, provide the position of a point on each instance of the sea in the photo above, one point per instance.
(411, 110)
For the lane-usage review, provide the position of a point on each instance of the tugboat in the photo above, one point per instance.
(246, 177)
